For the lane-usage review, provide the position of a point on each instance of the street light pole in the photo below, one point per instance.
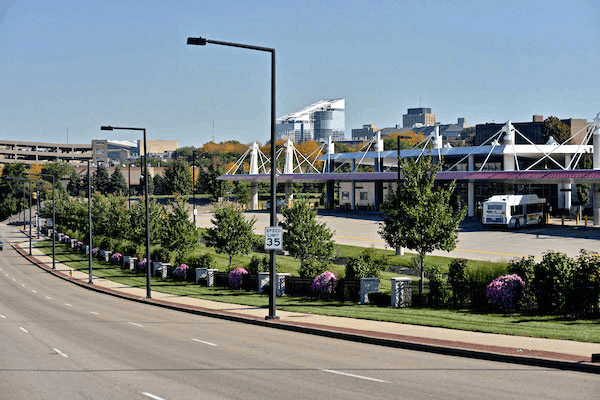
(129, 187)
(194, 183)
(30, 207)
(200, 41)
(89, 176)
(148, 267)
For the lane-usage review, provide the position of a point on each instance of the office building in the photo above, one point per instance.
(417, 117)
(317, 121)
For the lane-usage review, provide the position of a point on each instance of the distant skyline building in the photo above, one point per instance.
(417, 117)
(316, 122)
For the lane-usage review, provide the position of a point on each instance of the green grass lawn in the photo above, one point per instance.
(585, 330)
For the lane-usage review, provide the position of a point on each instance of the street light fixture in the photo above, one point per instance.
(200, 41)
(148, 267)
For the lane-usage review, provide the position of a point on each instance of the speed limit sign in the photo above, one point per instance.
(273, 238)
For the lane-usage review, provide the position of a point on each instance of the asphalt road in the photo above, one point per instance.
(474, 240)
(61, 341)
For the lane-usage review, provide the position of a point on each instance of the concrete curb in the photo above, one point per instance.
(457, 349)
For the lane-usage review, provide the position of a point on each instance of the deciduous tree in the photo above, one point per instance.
(232, 233)
(303, 236)
(418, 215)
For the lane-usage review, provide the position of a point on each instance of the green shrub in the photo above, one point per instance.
(438, 291)
(552, 280)
(366, 264)
(586, 277)
(159, 253)
(106, 243)
(205, 261)
(380, 298)
(258, 244)
(312, 267)
(258, 264)
(525, 268)
(457, 271)
(126, 247)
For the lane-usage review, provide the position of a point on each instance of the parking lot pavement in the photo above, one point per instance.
(475, 241)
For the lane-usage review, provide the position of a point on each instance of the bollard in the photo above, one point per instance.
(585, 219)
(577, 219)
(547, 218)
(71, 272)
(562, 219)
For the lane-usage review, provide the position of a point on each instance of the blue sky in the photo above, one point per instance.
(77, 65)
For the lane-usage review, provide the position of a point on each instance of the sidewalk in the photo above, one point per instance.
(562, 354)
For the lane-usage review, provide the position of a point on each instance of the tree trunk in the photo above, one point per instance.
(422, 277)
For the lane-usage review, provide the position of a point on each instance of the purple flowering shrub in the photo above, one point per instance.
(95, 251)
(235, 277)
(65, 239)
(181, 271)
(141, 266)
(324, 283)
(505, 291)
(116, 258)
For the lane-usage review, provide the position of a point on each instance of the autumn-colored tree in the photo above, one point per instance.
(554, 127)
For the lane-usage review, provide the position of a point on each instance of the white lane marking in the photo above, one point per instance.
(49, 298)
(34, 291)
(93, 312)
(68, 305)
(21, 284)
(14, 280)
(152, 396)
(23, 329)
(353, 376)
(133, 323)
(60, 352)
(2, 316)
(202, 341)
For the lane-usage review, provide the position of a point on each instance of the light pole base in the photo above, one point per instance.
(270, 317)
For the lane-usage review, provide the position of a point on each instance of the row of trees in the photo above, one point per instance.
(116, 226)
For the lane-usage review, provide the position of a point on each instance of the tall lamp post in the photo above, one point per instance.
(194, 183)
(148, 268)
(89, 179)
(200, 41)
(129, 187)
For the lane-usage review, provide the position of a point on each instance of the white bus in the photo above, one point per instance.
(513, 210)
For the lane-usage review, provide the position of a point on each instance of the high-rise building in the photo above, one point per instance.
(316, 122)
(416, 117)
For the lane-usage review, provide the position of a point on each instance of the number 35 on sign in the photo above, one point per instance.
(273, 238)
